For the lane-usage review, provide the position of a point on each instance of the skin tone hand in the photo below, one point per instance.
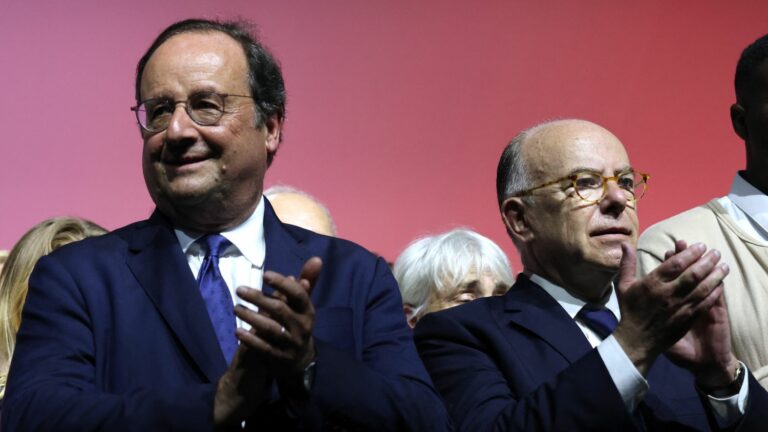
(266, 351)
(661, 307)
(282, 328)
(706, 348)
(243, 387)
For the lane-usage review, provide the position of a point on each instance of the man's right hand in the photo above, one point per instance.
(658, 309)
(243, 387)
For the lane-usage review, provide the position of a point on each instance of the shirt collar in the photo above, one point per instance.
(248, 237)
(571, 303)
(750, 200)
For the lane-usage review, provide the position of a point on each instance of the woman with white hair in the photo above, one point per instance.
(448, 269)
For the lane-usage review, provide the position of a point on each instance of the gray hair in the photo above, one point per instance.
(512, 176)
(441, 262)
(284, 189)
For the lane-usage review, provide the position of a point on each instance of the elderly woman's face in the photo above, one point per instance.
(471, 288)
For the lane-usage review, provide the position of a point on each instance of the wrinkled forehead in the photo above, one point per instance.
(559, 148)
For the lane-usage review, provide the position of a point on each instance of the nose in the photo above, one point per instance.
(181, 127)
(615, 200)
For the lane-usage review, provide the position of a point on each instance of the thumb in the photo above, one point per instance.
(310, 272)
(627, 269)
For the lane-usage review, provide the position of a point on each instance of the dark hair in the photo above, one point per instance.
(751, 59)
(264, 75)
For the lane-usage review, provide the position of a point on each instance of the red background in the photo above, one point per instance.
(397, 111)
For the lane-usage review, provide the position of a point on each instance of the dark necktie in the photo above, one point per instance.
(216, 295)
(600, 320)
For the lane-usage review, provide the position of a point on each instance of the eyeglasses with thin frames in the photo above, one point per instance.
(204, 108)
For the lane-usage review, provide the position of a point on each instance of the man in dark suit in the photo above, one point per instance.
(283, 329)
(559, 351)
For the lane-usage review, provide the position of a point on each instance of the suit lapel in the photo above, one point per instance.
(156, 260)
(527, 305)
(285, 253)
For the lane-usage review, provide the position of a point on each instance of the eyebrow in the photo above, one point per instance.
(196, 91)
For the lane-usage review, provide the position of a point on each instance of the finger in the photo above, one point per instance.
(310, 272)
(698, 272)
(708, 302)
(255, 342)
(627, 269)
(260, 323)
(704, 289)
(295, 294)
(279, 296)
(277, 309)
(674, 266)
(680, 245)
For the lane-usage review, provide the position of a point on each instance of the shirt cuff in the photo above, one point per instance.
(730, 409)
(628, 380)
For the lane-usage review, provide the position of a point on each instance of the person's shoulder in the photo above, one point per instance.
(691, 221)
(100, 246)
(332, 247)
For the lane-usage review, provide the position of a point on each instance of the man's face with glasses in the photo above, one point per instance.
(582, 205)
(204, 153)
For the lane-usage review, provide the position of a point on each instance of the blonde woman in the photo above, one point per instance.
(40, 240)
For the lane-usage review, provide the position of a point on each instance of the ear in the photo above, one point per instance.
(274, 127)
(515, 217)
(739, 121)
(409, 315)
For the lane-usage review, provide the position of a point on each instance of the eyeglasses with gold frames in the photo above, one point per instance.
(592, 186)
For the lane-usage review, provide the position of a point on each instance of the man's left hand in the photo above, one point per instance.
(282, 328)
(706, 349)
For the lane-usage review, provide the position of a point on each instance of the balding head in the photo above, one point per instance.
(523, 163)
(560, 234)
(295, 207)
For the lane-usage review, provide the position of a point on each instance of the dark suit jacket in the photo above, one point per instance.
(115, 336)
(519, 362)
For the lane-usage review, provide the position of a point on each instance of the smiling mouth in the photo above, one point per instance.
(185, 160)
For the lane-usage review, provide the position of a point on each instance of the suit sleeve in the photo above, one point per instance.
(54, 384)
(385, 386)
(479, 396)
(757, 407)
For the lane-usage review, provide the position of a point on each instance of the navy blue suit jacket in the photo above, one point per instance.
(115, 336)
(518, 362)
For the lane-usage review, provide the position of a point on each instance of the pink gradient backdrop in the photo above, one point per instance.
(398, 110)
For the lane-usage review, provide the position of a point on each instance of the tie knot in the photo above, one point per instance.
(215, 244)
(601, 320)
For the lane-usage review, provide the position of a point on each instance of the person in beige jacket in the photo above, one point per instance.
(736, 224)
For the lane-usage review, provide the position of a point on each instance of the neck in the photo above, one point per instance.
(207, 219)
(588, 284)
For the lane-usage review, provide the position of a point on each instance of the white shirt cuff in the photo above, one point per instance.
(730, 409)
(628, 380)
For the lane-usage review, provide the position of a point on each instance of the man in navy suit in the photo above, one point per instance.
(284, 329)
(578, 343)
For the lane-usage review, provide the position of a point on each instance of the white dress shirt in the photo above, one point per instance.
(630, 383)
(628, 380)
(242, 263)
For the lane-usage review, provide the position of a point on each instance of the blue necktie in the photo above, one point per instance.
(600, 320)
(216, 295)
